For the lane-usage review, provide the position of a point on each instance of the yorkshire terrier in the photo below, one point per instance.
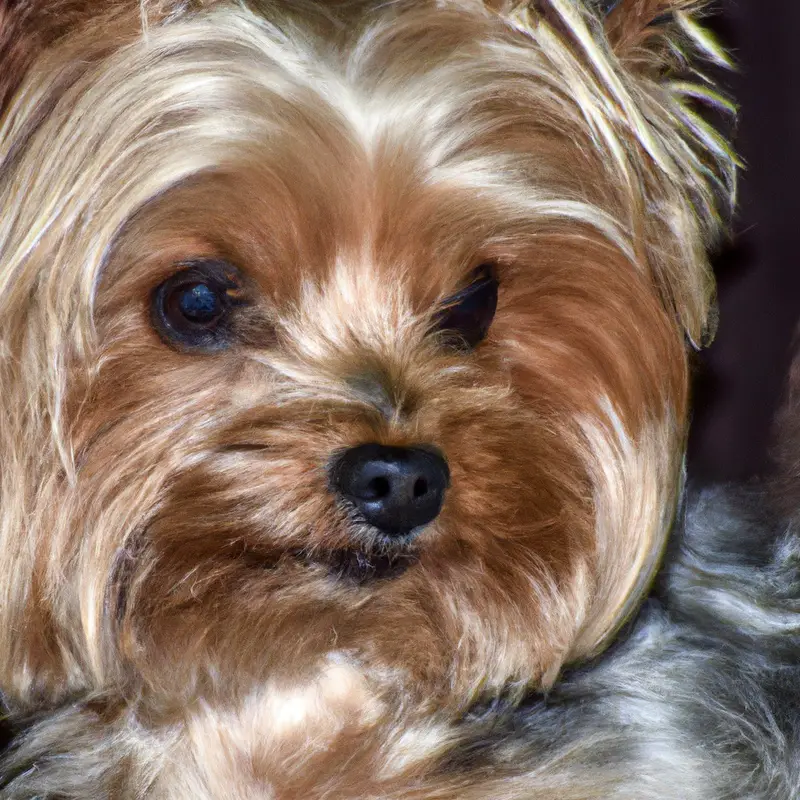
(343, 354)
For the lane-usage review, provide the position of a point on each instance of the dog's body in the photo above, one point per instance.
(699, 701)
(344, 375)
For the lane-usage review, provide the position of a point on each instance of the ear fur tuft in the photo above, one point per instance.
(15, 50)
(644, 32)
(26, 28)
(645, 57)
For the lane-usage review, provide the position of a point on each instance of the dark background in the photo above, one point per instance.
(739, 379)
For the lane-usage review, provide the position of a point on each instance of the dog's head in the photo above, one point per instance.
(352, 327)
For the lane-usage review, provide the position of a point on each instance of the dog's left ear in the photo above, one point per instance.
(643, 57)
(30, 27)
(628, 23)
(640, 32)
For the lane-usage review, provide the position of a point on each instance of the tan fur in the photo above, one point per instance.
(166, 522)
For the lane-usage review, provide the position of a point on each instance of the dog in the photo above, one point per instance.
(344, 365)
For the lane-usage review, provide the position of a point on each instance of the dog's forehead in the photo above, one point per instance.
(398, 151)
(359, 171)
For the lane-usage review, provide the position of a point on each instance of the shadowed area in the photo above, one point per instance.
(740, 378)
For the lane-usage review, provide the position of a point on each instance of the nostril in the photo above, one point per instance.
(420, 487)
(377, 488)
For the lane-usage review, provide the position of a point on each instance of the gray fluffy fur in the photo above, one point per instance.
(702, 699)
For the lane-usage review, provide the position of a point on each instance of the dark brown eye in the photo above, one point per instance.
(193, 307)
(466, 316)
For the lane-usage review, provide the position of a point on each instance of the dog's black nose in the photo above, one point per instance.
(395, 489)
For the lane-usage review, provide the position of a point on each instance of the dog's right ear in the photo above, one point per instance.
(17, 46)
(28, 27)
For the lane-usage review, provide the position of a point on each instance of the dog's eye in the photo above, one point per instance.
(466, 316)
(192, 308)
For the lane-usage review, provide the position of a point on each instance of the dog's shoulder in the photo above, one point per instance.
(733, 571)
(700, 696)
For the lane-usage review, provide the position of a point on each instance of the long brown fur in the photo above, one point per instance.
(168, 540)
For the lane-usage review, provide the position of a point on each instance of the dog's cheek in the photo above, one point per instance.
(594, 352)
(217, 581)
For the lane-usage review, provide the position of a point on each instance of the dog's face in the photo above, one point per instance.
(353, 329)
